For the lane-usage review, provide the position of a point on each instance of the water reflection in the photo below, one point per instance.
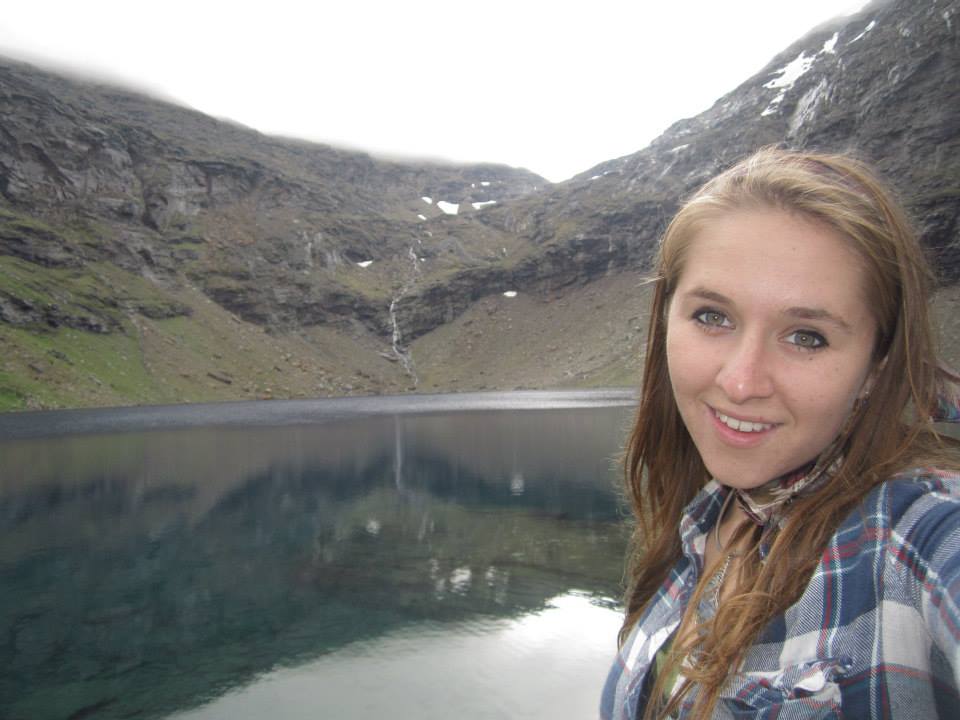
(147, 573)
(546, 664)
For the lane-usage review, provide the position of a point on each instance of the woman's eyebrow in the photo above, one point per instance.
(806, 313)
(705, 294)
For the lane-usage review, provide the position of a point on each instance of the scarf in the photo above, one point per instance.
(766, 505)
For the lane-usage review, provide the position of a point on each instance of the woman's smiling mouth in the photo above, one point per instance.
(744, 426)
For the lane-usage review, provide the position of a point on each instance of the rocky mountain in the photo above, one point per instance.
(884, 84)
(118, 211)
(149, 253)
(162, 191)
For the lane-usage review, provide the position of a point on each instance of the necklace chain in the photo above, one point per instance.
(720, 577)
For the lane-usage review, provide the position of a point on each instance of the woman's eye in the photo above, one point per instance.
(807, 339)
(712, 318)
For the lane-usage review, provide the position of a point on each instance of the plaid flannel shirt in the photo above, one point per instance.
(876, 633)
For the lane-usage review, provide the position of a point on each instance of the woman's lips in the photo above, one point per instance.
(739, 432)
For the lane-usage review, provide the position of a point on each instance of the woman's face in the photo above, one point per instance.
(769, 342)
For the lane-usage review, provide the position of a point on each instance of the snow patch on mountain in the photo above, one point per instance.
(868, 28)
(830, 45)
(793, 71)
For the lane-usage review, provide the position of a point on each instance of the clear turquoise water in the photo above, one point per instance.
(426, 565)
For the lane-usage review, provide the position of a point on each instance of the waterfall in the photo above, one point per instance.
(403, 354)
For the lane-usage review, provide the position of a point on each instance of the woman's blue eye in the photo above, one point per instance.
(712, 318)
(807, 339)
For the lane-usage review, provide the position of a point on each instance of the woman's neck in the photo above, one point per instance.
(732, 520)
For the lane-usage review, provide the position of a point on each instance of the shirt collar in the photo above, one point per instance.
(698, 519)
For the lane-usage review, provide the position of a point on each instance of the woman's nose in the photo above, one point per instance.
(746, 373)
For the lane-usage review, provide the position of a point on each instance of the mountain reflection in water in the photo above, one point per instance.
(418, 565)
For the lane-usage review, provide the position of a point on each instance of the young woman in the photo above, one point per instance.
(797, 552)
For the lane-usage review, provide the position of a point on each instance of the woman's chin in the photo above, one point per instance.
(743, 479)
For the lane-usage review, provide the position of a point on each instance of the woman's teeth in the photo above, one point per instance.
(742, 425)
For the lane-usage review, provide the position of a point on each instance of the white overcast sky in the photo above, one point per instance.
(553, 86)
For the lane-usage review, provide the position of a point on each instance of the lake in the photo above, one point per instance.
(416, 557)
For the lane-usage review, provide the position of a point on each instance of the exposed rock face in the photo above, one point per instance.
(269, 228)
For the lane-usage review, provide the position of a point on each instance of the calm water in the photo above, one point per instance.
(322, 560)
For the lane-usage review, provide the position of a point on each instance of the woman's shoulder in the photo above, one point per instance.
(917, 513)
(918, 489)
(919, 507)
(914, 493)
(920, 481)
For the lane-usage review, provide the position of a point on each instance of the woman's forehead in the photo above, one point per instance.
(774, 256)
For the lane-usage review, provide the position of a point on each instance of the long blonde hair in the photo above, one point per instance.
(663, 469)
